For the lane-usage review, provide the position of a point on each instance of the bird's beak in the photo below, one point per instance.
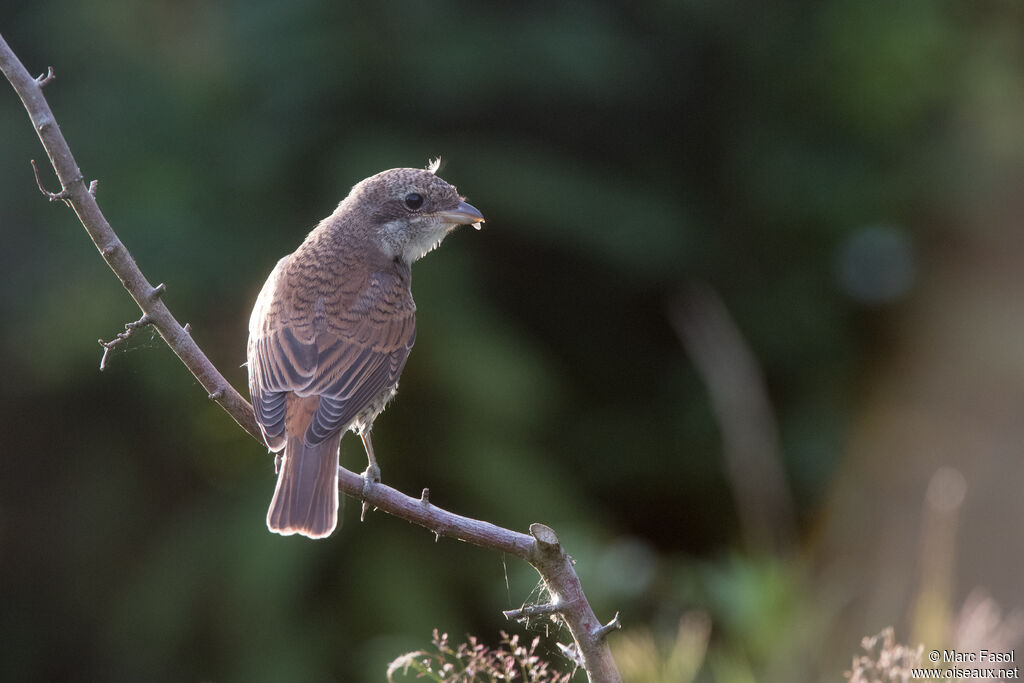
(463, 214)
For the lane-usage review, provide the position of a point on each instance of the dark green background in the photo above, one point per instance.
(620, 152)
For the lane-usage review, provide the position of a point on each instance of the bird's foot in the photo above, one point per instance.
(372, 473)
(371, 477)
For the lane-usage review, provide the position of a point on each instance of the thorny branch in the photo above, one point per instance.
(540, 548)
(82, 199)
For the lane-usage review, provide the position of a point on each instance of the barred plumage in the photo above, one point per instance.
(332, 329)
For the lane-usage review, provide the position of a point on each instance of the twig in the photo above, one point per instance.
(527, 611)
(54, 196)
(46, 78)
(541, 548)
(129, 330)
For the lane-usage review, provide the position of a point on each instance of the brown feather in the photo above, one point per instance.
(306, 498)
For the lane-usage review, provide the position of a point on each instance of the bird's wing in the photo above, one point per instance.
(281, 358)
(361, 354)
(348, 353)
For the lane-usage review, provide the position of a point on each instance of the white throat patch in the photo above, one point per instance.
(411, 240)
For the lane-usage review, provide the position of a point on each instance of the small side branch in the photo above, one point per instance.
(527, 611)
(613, 625)
(129, 330)
(63, 195)
(45, 78)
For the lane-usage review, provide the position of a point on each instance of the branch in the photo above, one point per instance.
(541, 548)
(81, 198)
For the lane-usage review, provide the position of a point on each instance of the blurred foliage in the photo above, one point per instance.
(619, 151)
(642, 659)
(475, 662)
(886, 660)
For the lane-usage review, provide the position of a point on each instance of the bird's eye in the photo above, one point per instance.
(413, 200)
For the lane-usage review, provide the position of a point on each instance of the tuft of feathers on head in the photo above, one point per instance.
(434, 165)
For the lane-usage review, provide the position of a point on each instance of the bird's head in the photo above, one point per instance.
(410, 210)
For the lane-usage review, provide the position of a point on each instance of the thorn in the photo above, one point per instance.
(362, 514)
(437, 537)
(92, 187)
(188, 329)
(613, 625)
(217, 395)
(157, 292)
(45, 78)
(425, 497)
(53, 196)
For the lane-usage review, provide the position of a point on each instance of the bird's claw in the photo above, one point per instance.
(371, 477)
(371, 474)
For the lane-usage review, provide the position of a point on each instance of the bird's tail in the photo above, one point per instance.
(306, 498)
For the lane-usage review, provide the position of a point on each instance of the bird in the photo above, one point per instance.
(332, 329)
